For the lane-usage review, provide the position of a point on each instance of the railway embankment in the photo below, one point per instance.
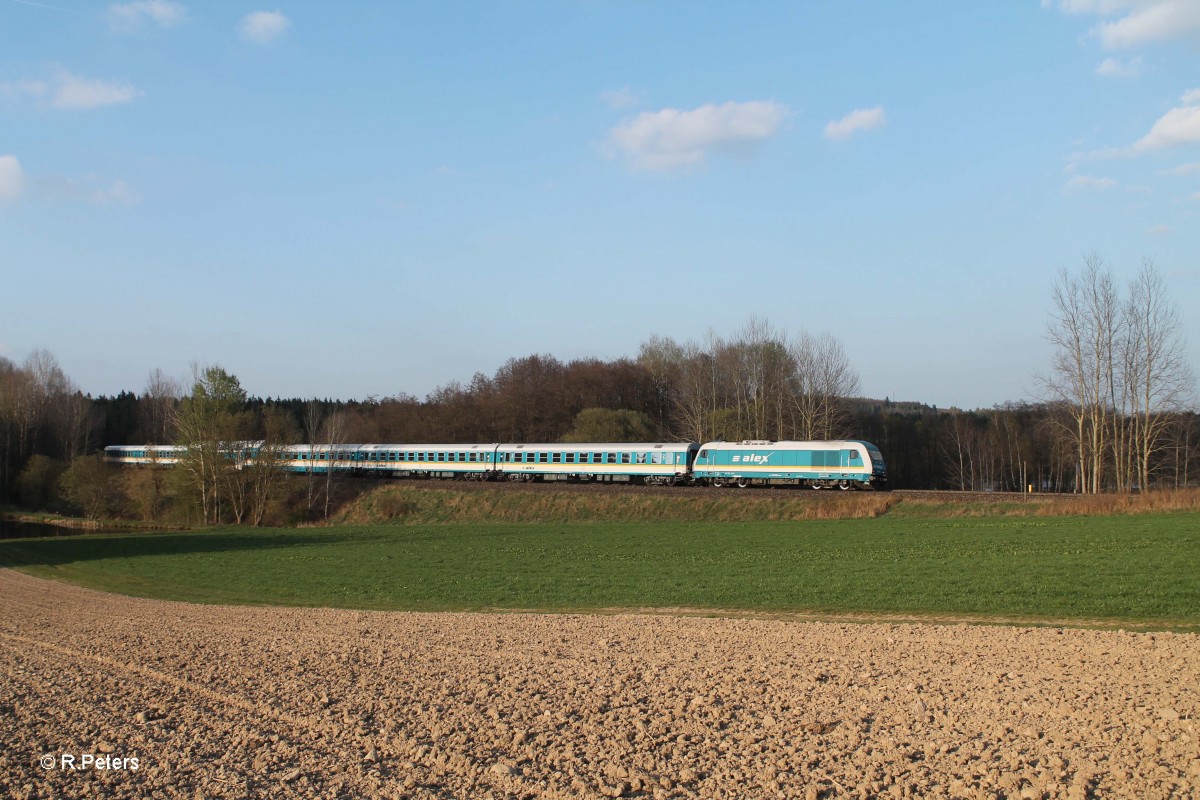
(440, 501)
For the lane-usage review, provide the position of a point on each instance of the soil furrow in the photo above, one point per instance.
(291, 702)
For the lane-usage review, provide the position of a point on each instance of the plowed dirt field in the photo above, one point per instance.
(189, 701)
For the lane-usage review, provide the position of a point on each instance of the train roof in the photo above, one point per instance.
(830, 444)
(385, 447)
(607, 446)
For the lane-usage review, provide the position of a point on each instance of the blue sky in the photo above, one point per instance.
(354, 199)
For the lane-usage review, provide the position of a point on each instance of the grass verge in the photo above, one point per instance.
(1117, 569)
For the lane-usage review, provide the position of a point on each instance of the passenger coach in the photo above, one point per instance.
(662, 463)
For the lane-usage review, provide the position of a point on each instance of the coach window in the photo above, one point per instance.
(569, 458)
(542, 458)
(556, 458)
(625, 459)
(641, 458)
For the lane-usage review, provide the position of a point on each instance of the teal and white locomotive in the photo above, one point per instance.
(846, 464)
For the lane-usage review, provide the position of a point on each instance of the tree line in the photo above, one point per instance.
(1117, 415)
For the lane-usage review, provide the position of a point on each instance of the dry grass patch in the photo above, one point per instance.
(398, 503)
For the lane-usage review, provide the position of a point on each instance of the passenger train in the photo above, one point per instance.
(848, 464)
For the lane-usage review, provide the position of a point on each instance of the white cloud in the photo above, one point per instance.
(1152, 22)
(863, 119)
(1182, 169)
(89, 189)
(118, 192)
(1089, 183)
(1139, 21)
(130, 17)
(1159, 230)
(1191, 97)
(67, 91)
(672, 139)
(1116, 68)
(12, 180)
(619, 98)
(1178, 126)
(74, 92)
(264, 27)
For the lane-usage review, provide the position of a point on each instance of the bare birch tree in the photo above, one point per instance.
(334, 434)
(823, 380)
(1083, 328)
(1159, 379)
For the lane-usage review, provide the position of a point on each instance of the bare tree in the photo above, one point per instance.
(1084, 329)
(824, 379)
(157, 407)
(314, 418)
(1158, 376)
(266, 474)
(335, 434)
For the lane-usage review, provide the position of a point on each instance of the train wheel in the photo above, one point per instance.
(742, 483)
(718, 482)
(844, 485)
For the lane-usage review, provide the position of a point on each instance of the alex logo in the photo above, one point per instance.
(752, 458)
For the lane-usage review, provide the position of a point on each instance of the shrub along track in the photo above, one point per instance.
(282, 702)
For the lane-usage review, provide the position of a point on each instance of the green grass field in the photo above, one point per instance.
(1108, 570)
